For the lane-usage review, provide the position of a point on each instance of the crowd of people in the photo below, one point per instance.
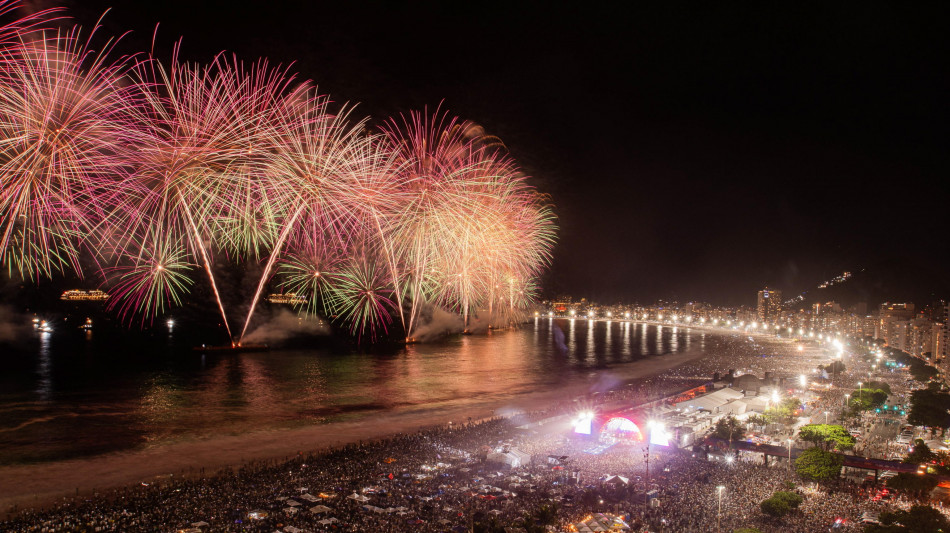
(442, 479)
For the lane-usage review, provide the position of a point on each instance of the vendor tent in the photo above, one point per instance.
(358, 497)
(514, 458)
(317, 509)
(602, 522)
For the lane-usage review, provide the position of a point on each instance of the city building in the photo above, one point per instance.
(769, 306)
(888, 315)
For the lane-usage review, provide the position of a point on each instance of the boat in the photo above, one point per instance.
(234, 348)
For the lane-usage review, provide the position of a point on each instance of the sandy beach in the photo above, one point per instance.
(40, 485)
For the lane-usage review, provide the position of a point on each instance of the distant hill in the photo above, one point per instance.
(886, 281)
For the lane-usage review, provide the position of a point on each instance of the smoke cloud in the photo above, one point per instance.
(285, 324)
(12, 324)
(436, 323)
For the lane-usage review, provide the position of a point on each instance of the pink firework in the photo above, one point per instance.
(66, 136)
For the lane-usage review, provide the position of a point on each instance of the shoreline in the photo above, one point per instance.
(36, 486)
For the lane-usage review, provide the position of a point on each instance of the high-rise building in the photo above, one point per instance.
(888, 315)
(769, 305)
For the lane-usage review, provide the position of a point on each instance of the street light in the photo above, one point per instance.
(789, 465)
(719, 514)
(826, 418)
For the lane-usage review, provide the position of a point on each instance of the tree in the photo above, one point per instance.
(827, 436)
(757, 420)
(781, 503)
(773, 507)
(729, 429)
(920, 519)
(816, 464)
(784, 412)
(480, 524)
(834, 367)
(546, 515)
(793, 499)
(929, 408)
(865, 399)
(914, 484)
(941, 463)
(922, 372)
(880, 385)
(920, 454)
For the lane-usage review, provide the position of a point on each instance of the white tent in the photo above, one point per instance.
(602, 522)
(317, 509)
(309, 497)
(358, 497)
(513, 457)
(713, 400)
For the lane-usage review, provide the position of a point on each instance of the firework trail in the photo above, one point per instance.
(18, 29)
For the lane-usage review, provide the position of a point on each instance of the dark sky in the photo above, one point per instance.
(693, 151)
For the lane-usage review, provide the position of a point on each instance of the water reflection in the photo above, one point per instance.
(44, 370)
(120, 400)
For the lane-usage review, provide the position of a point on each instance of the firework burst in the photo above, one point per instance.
(161, 170)
(66, 133)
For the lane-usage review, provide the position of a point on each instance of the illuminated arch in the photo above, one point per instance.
(620, 428)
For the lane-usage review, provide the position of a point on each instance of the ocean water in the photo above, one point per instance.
(70, 394)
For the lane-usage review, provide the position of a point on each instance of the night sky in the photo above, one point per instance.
(693, 152)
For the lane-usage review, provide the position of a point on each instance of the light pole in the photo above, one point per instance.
(789, 465)
(719, 513)
(859, 390)
(826, 418)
